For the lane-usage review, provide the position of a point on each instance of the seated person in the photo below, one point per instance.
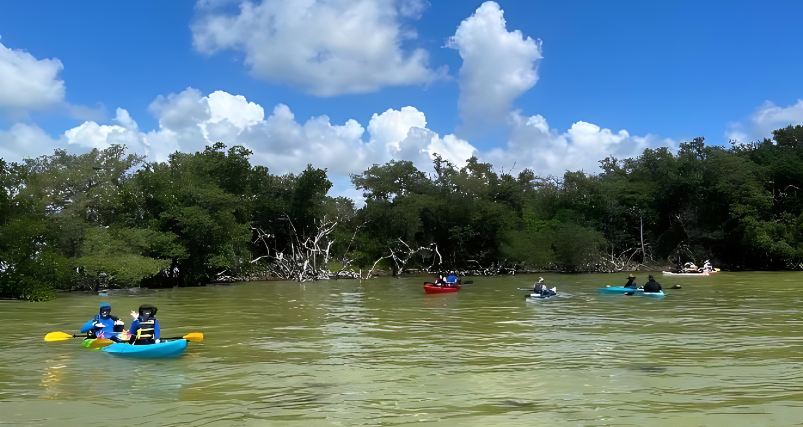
(542, 290)
(451, 279)
(103, 325)
(145, 329)
(439, 281)
(631, 282)
(652, 285)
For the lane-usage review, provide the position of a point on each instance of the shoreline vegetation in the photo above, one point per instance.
(111, 219)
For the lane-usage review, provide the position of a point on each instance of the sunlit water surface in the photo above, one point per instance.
(724, 350)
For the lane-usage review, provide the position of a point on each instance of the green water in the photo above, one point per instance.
(725, 350)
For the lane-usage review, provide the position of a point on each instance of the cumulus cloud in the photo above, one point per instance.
(498, 65)
(323, 47)
(27, 83)
(24, 140)
(189, 121)
(764, 120)
(533, 144)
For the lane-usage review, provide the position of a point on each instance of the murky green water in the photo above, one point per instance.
(725, 350)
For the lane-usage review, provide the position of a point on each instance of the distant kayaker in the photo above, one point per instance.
(104, 325)
(145, 329)
(451, 279)
(652, 285)
(542, 290)
(631, 282)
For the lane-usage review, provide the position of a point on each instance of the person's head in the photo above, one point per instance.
(146, 311)
(105, 310)
(540, 280)
(631, 278)
(650, 278)
(451, 273)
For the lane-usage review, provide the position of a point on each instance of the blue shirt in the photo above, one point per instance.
(452, 279)
(108, 325)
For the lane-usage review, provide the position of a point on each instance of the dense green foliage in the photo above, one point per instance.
(109, 219)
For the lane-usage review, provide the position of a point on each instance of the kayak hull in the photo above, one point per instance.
(533, 297)
(159, 350)
(430, 288)
(621, 290)
(703, 274)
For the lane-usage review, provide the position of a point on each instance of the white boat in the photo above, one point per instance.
(699, 274)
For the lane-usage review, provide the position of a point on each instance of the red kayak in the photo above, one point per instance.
(432, 288)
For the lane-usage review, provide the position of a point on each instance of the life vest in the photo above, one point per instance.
(146, 330)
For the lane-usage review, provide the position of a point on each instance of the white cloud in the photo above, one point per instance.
(498, 65)
(323, 47)
(765, 119)
(391, 127)
(534, 145)
(24, 140)
(27, 83)
(92, 135)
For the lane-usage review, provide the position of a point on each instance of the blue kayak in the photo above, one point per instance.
(162, 349)
(621, 290)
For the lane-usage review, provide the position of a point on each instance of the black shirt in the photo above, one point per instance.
(652, 286)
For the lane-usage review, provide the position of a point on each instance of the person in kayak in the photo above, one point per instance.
(451, 279)
(542, 290)
(652, 285)
(631, 282)
(145, 329)
(103, 325)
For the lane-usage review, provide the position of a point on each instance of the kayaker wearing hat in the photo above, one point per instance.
(541, 289)
(652, 285)
(631, 282)
(145, 329)
(103, 325)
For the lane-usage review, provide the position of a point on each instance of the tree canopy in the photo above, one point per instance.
(109, 218)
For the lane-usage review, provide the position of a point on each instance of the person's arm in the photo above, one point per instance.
(134, 328)
(88, 326)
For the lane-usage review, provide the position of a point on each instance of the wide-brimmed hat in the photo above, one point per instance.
(631, 276)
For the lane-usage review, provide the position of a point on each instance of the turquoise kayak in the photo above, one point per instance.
(162, 349)
(621, 290)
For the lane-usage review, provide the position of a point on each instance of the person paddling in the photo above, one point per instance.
(652, 286)
(104, 325)
(631, 282)
(145, 329)
(542, 290)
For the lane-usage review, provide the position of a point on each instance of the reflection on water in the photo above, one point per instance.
(723, 350)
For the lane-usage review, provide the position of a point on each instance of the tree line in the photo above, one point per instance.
(109, 218)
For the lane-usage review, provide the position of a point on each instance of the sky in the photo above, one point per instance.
(345, 84)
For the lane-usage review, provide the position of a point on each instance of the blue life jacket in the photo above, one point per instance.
(145, 331)
(452, 279)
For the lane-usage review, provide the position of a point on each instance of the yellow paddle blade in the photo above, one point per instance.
(194, 337)
(57, 336)
(100, 343)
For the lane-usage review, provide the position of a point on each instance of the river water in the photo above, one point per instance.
(724, 350)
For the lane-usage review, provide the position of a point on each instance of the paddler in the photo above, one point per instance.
(631, 282)
(542, 290)
(103, 325)
(145, 329)
(451, 279)
(652, 285)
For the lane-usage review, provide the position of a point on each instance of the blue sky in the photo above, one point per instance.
(546, 85)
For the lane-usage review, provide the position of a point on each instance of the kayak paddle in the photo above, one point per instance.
(193, 336)
(61, 336)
